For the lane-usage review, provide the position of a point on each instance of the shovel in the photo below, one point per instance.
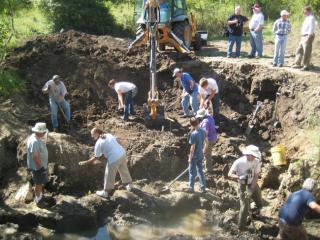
(166, 189)
(251, 124)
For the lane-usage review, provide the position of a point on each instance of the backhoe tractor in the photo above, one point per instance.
(175, 27)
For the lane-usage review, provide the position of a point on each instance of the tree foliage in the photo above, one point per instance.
(91, 16)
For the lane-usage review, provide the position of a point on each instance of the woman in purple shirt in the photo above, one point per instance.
(207, 124)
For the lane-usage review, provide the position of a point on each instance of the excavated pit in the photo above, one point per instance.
(155, 156)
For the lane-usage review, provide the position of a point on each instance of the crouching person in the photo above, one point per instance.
(292, 212)
(107, 147)
(37, 160)
(246, 171)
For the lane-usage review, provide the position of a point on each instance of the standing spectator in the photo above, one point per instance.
(281, 28)
(126, 92)
(246, 171)
(107, 147)
(235, 27)
(190, 90)
(197, 139)
(304, 49)
(37, 159)
(292, 212)
(207, 124)
(57, 92)
(256, 26)
(209, 91)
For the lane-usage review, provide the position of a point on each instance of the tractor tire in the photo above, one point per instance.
(197, 44)
(183, 31)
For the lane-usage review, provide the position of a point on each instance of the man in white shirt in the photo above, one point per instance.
(304, 49)
(107, 147)
(126, 92)
(246, 171)
(57, 92)
(255, 27)
(209, 91)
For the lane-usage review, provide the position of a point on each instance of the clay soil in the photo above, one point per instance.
(155, 156)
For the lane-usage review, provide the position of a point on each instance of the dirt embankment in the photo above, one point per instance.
(86, 63)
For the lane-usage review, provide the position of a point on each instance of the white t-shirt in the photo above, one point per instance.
(56, 90)
(309, 25)
(242, 166)
(109, 147)
(212, 85)
(256, 20)
(124, 87)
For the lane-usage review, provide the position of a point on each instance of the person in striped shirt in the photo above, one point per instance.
(281, 29)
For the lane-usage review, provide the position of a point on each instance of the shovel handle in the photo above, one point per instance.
(179, 176)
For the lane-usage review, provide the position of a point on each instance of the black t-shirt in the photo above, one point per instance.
(237, 29)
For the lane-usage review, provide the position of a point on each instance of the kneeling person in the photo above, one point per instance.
(107, 146)
(246, 171)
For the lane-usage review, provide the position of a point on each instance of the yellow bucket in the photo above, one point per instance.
(279, 155)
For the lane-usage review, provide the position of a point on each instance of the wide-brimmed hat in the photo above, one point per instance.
(252, 150)
(284, 13)
(201, 113)
(175, 71)
(55, 77)
(40, 127)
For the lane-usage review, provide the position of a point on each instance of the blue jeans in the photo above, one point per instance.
(54, 111)
(280, 48)
(256, 43)
(186, 102)
(231, 40)
(128, 103)
(196, 164)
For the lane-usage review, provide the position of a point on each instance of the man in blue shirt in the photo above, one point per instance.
(292, 212)
(190, 90)
(197, 138)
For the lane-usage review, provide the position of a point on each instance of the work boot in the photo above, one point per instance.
(305, 68)
(55, 130)
(124, 118)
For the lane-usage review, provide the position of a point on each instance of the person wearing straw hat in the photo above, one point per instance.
(281, 29)
(190, 91)
(37, 159)
(294, 209)
(207, 124)
(246, 171)
(57, 92)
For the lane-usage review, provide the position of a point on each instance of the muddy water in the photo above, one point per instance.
(189, 225)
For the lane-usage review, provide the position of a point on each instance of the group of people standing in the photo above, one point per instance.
(281, 30)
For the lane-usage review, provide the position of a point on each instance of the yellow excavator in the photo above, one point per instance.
(163, 23)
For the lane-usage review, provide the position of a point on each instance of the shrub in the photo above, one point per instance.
(10, 82)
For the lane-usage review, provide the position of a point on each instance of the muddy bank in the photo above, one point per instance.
(155, 156)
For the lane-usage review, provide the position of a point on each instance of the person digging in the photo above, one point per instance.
(108, 147)
(126, 92)
(37, 160)
(246, 171)
(57, 92)
(292, 212)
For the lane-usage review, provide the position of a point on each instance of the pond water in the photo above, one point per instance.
(189, 225)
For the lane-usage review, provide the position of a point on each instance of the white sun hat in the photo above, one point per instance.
(55, 77)
(175, 71)
(201, 113)
(252, 150)
(40, 127)
(308, 184)
(284, 13)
